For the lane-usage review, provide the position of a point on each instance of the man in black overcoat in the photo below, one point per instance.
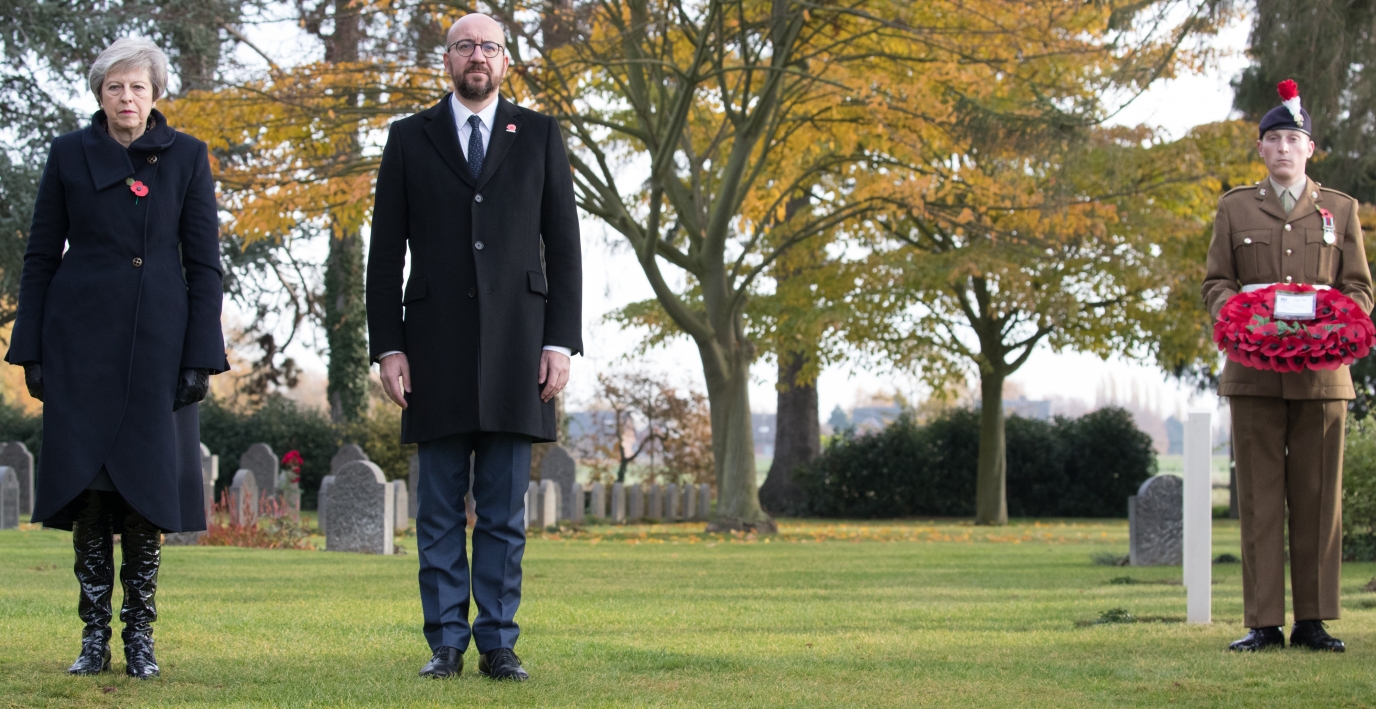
(477, 344)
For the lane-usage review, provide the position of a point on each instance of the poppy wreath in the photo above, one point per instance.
(1248, 333)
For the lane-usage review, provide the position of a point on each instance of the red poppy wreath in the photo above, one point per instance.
(1250, 333)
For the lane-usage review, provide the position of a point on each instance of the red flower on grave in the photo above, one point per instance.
(293, 461)
(1339, 334)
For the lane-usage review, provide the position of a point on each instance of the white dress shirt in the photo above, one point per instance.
(486, 116)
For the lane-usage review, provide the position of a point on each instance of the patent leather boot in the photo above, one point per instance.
(92, 539)
(141, 543)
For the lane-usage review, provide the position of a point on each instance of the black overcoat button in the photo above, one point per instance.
(137, 262)
(478, 246)
(152, 159)
(472, 292)
(478, 198)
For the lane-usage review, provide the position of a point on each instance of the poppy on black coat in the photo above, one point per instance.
(113, 320)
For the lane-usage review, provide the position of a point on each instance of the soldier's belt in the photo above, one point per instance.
(1258, 286)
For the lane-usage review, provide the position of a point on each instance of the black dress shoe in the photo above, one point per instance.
(502, 663)
(1311, 634)
(1260, 639)
(447, 662)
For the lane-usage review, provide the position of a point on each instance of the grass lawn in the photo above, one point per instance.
(851, 615)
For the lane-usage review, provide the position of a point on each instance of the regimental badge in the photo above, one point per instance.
(1330, 235)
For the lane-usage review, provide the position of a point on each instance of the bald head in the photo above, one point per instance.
(476, 76)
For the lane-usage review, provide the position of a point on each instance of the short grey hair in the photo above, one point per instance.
(131, 53)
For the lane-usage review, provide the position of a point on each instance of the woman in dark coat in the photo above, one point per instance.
(118, 335)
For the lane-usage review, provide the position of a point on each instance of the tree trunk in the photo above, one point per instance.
(797, 437)
(733, 441)
(991, 486)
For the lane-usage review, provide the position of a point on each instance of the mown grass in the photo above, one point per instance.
(854, 615)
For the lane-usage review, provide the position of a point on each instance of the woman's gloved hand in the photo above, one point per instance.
(192, 385)
(33, 379)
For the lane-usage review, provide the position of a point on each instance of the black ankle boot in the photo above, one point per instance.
(142, 545)
(92, 531)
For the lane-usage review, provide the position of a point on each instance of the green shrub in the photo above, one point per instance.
(1359, 491)
(1085, 467)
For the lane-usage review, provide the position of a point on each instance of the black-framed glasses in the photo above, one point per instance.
(465, 48)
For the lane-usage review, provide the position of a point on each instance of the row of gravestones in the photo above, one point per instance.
(547, 503)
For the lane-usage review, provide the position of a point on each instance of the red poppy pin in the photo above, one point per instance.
(511, 127)
(138, 188)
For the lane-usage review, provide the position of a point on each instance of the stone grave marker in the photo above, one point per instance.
(690, 502)
(243, 493)
(362, 510)
(1156, 522)
(9, 498)
(597, 498)
(399, 497)
(260, 459)
(532, 505)
(16, 456)
(347, 453)
(549, 504)
(656, 502)
(618, 503)
(704, 501)
(635, 503)
(413, 479)
(579, 501)
(559, 467)
(671, 502)
(322, 502)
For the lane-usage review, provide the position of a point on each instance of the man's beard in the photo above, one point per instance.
(473, 93)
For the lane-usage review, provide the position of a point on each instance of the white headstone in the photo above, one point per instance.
(549, 504)
(671, 502)
(260, 459)
(399, 496)
(656, 502)
(690, 500)
(598, 501)
(575, 501)
(16, 455)
(362, 509)
(618, 503)
(1198, 513)
(243, 495)
(635, 503)
(9, 498)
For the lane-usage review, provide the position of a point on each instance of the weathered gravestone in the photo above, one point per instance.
(413, 479)
(16, 455)
(579, 501)
(559, 467)
(347, 453)
(704, 501)
(322, 502)
(690, 502)
(671, 502)
(260, 459)
(635, 503)
(9, 498)
(549, 504)
(399, 498)
(243, 495)
(597, 499)
(1156, 522)
(656, 501)
(210, 471)
(362, 509)
(618, 503)
(532, 505)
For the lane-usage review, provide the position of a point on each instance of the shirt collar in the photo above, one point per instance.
(1295, 190)
(461, 112)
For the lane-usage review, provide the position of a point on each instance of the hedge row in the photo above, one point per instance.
(1084, 467)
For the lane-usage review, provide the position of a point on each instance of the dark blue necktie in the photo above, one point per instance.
(475, 146)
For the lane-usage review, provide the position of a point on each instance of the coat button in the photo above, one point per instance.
(478, 246)
(1287, 227)
(1247, 240)
(478, 198)
(1313, 195)
(1288, 252)
(152, 159)
(137, 262)
(472, 292)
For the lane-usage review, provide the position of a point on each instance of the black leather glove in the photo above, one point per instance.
(33, 379)
(192, 385)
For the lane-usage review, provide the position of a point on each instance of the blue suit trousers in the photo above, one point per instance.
(501, 476)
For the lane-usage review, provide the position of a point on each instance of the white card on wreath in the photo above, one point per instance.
(1294, 306)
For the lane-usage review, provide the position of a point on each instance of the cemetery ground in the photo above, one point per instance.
(858, 614)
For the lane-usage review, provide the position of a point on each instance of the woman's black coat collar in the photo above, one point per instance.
(109, 161)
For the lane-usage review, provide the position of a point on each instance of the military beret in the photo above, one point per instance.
(1289, 115)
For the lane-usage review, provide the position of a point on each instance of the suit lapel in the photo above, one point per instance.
(502, 138)
(446, 138)
(106, 158)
